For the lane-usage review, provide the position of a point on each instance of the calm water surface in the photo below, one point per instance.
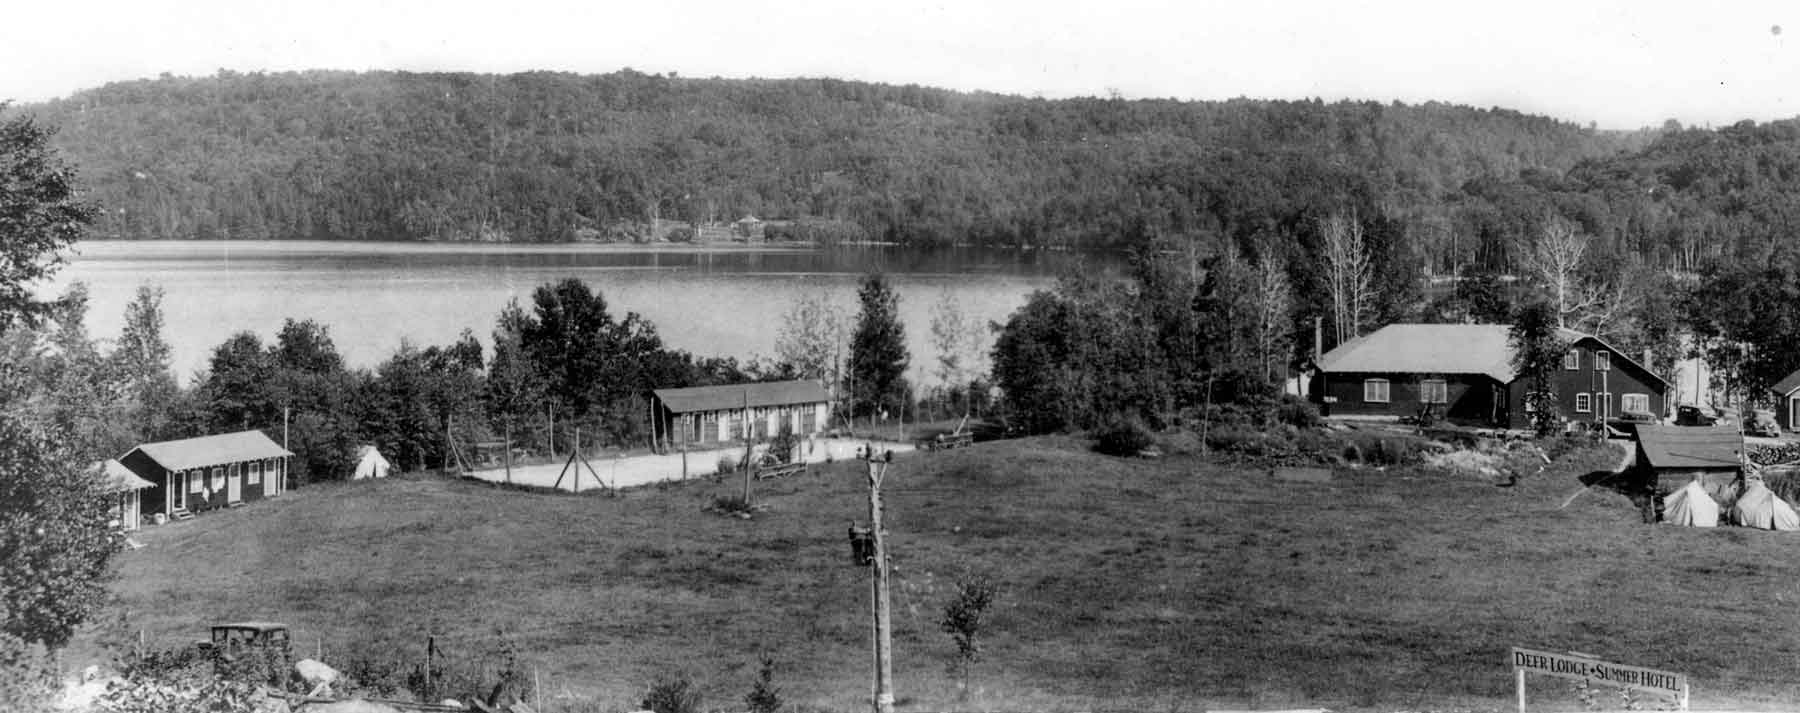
(726, 302)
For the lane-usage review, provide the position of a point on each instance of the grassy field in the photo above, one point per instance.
(1173, 584)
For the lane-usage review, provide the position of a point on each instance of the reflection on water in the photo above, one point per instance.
(374, 295)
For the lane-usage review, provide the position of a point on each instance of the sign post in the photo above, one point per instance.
(1581, 667)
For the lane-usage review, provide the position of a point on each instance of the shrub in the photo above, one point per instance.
(682, 234)
(672, 694)
(26, 680)
(764, 697)
(727, 464)
(1124, 438)
(1297, 412)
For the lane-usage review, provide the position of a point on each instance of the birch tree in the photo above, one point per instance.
(811, 338)
(1559, 262)
(1348, 275)
(1274, 306)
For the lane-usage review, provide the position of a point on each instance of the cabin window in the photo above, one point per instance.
(1639, 403)
(255, 474)
(1584, 403)
(218, 478)
(196, 481)
(1602, 361)
(1375, 391)
(1434, 391)
(1572, 360)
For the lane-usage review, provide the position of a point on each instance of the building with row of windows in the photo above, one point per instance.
(1464, 373)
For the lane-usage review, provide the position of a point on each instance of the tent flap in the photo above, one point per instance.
(1758, 507)
(1691, 506)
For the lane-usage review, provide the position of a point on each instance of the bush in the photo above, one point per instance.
(1297, 412)
(680, 235)
(727, 464)
(674, 694)
(764, 697)
(26, 679)
(1124, 438)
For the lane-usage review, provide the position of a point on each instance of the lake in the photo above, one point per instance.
(725, 301)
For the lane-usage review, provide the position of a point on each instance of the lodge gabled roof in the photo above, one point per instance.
(735, 396)
(212, 450)
(1443, 349)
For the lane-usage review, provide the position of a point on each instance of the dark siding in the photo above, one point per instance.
(155, 496)
(1624, 378)
(1470, 396)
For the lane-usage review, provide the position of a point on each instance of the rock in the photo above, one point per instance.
(316, 674)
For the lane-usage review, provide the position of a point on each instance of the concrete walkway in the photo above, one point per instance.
(647, 469)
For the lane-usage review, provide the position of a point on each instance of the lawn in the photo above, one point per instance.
(1173, 584)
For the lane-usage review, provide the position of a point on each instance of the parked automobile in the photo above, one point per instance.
(231, 639)
(1691, 415)
(1626, 423)
(1761, 422)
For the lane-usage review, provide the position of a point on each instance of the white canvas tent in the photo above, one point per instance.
(1691, 506)
(1758, 507)
(370, 464)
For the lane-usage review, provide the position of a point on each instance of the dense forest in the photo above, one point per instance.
(555, 157)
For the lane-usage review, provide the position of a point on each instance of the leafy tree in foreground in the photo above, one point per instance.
(878, 356)
(55, 545)
(965, 618)
(1538, 351)
(39, 215)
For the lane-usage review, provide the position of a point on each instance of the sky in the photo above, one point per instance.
(1619, 65)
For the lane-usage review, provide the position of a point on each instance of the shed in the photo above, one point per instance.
(1787, 401)
(1674, 455)
(121, 481)
(714, 415)
(208, 472)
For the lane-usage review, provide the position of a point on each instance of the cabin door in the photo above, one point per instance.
(181, 489)
(234, 485)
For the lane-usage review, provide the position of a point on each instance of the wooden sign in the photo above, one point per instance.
(1586, 668)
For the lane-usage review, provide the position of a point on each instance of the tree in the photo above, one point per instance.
(1274, 318)
(1348, 275)
(1537, 354)
(878, 355)
(965, 619)
(239, 384)
(39, 216)
(55, 546)
(811, 338)
(140, 362)
(1556, 261)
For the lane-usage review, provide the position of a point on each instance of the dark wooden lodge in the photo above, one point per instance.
(197, 474)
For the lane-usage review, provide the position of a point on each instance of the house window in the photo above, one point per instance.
(1639, 403)
(1584, 403)
(1434, 391)
(218, 478)
(196, 481)
(1375, 391)
(1572, 360)
(1602, 361)
(255, 474)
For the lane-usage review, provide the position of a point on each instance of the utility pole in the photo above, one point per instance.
(878, 584)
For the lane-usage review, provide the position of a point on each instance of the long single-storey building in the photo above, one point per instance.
(712, 415)
(1464, 373)
(209, 472)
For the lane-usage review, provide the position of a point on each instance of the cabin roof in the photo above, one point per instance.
(1689, 446)
(1787, 385)
(737, 396)
(1443, 349)
(118, 478)
(213, 450)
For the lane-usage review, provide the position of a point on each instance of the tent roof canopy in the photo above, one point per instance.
(1689, 446)
(213, 450)
(736, 396)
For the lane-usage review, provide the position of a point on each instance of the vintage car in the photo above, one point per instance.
(1761, 422)
(1626, 424)
(1691, 415)
(231, 639)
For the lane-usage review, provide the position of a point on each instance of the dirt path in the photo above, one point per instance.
(643, 470)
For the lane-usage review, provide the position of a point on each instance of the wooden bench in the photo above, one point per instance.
(776, 471)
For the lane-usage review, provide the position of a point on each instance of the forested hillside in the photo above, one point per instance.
(552, 157)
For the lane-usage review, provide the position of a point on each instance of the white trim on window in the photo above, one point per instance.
(1641, 402)
(1376, 391)
(1584, 403)
(255, 473)
(218, 478)
(1434, 391)
(1602, 361)
(1572, 360)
